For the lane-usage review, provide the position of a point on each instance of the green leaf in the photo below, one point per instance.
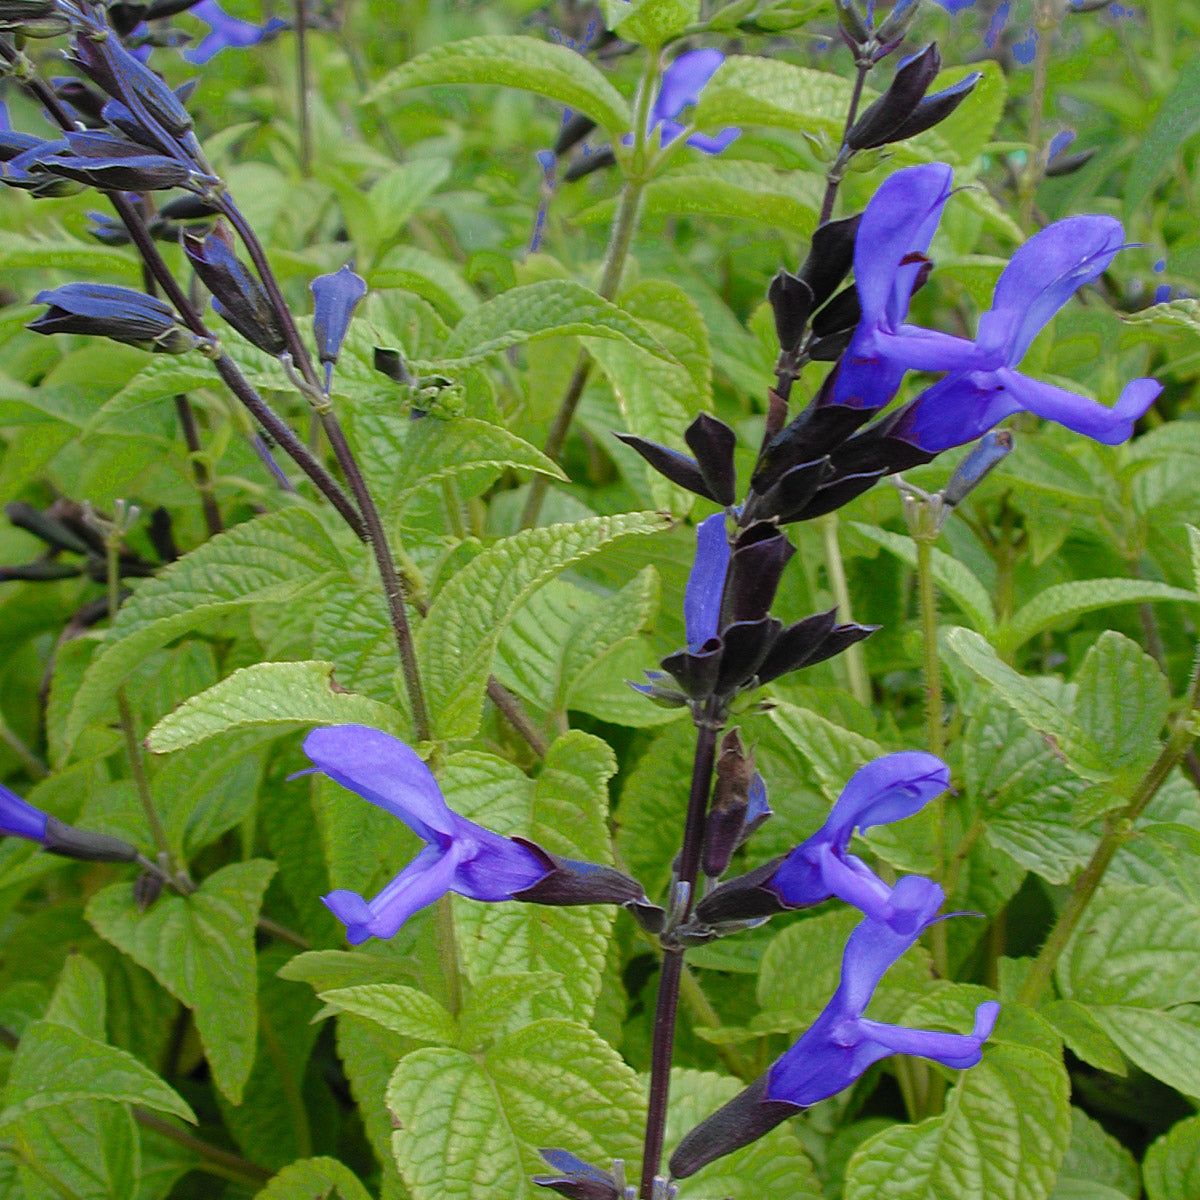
(1163, 1044)
(1087, 757)
(1003, 1135)
(803, 963)
(549, 308)
(833, 753)
(458, 637)
(1176, 121)
(650, 23)
(1171, 1170)
(89, 1151)
(315, 1179)
(563, 811)
(494, 1003)
(1194, 545)
(266, 561)
(549, 69)
(1096, 1165)
(955, 579)
(748, 90)
(56, 1066)
(434, 279)
(1139, 945)
(162, 378)
(563, 629)
(18, 251)
(1122, 702)
(1063, 601)
(285, 694)
(201, 949)
(435, 449)
(774, 1166)
(1084, 1037)
(730, 189)
(403, 1010)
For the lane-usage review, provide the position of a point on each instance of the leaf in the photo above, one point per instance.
(452, 1140)
(315, 1179)
(401, 1009)
(18, 251)
(435, 449)
(270, 694)
(1163, 1044)
(747, 90)
(1096, 1165)
(563, 811)
(1171, 1170)
(650, 23)
(458, 637)
(733, 189)
(833, 753)
(1139, 945)
(266, 561)
(1177, 120)
(89, 1151)
(1085, 756)
(434, 279)
(563, 629)
(1062, 601)
(773, 1166)
(1083, 1036)
(162, 378)
(201, 949)
(549, 69)
(955, 579)
(1122, 702)
(1005, 1130)
(55, 1066)
(551, 307)
(496, 1001)
(1194, 545)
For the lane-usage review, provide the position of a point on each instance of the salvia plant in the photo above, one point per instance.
(628, 634)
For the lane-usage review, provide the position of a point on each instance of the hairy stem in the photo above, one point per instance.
(1044, 24)
(667, 1005)
(447, 952)
(302, 107)
(856, 664)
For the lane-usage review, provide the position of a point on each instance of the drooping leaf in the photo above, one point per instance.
(283, 695)
(315, 1179)
(201, 949)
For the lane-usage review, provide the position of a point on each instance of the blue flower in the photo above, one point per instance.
(682, 83)
(1037, 282)
(335, 297)
(706, 581)
(18, 818)
(226, 32)
(460, 856)
(841, 1043)
(889, 789)
(889, 262)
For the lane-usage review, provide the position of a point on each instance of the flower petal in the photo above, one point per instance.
(1079, 414)
(951, 1049)
(683, 81)
(706, 581)
(383, 770)
(18, 818)
(427, 878)
(889, 789)
(898, 223)
(493, 867)
(1041, 277)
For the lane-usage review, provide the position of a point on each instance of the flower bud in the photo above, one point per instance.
(577, 1179)
(114, 312)
(335, 297)
(724, 830)
(970, 473)
(237, 294)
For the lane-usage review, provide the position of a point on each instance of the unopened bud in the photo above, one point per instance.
(988, 452)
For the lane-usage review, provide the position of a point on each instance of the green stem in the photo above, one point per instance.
(302, 88)
(620, 239)
(34, 765)
(935, 736)
(1045, 24)
(853, 657)
(447, 952)
(1117, 830)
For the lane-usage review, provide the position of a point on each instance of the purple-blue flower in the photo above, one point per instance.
(226, 32)
(889, 789)
(335, 297)
(460, 856)
(1038, 281)
(18, 818)
(841, 1043)
(706, 580)
(889, 258)
(682, 83)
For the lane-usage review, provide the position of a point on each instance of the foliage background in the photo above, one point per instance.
(1058, 685)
